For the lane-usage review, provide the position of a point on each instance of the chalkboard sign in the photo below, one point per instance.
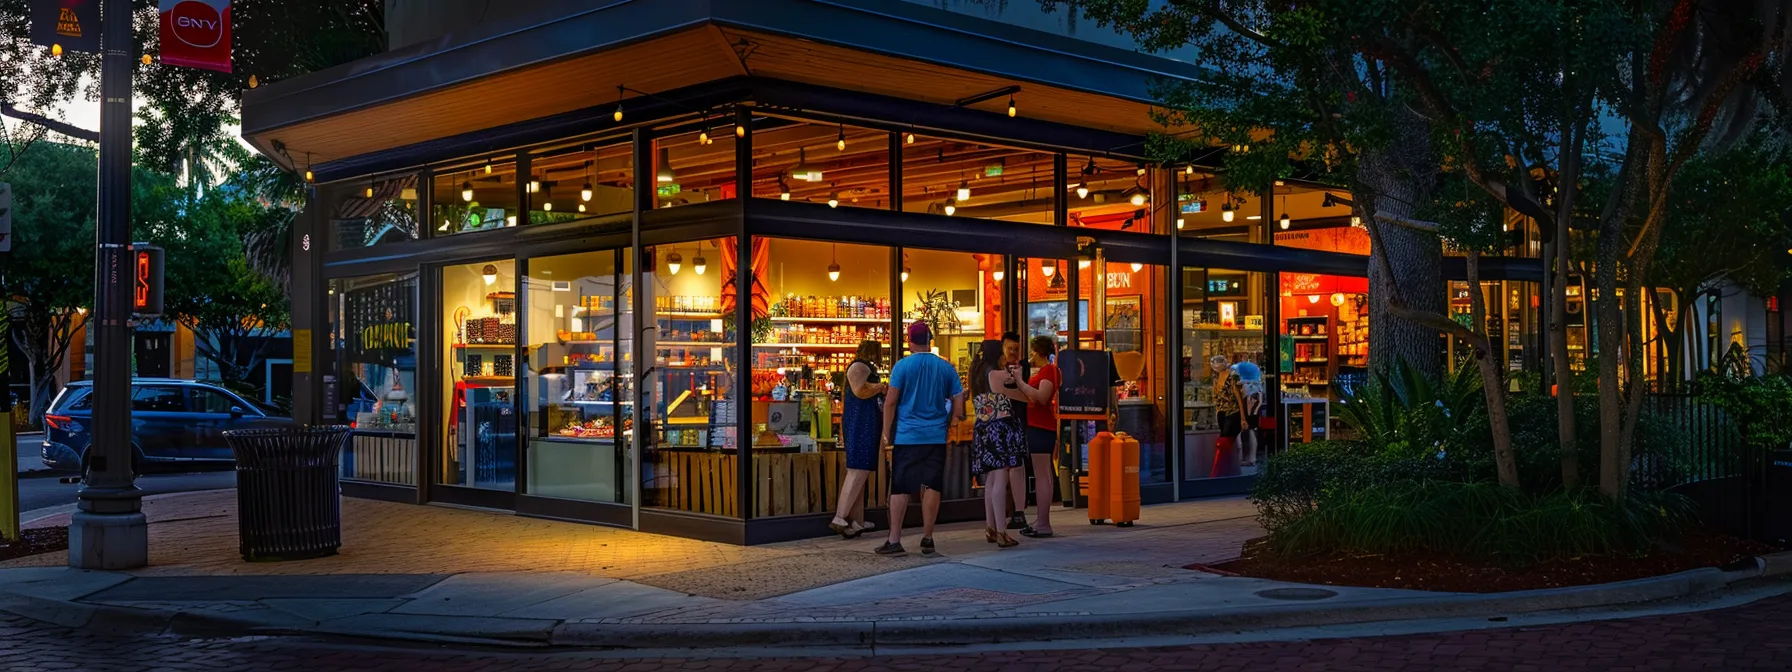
(1088, 379)
(377, 322)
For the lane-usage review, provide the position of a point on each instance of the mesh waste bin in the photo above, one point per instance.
(288, 502)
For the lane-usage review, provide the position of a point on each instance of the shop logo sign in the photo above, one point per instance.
(196, 33)
(65, 23)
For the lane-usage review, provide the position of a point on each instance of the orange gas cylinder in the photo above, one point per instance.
(1123, 486)
(1099, 466)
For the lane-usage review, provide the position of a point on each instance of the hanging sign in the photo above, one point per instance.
(1087, 379)
(196, 33)
(73, 25)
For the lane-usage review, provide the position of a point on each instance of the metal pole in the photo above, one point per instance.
(109, 530)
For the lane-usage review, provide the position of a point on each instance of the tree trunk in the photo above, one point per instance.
(1486, 359)
(1395, 179)
(1566, 439)
(1610, 335)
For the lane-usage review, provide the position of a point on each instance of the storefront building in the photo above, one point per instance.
(607, 262)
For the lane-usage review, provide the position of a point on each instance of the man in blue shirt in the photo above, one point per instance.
(924, 400)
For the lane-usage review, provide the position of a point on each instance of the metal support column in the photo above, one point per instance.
(109, 531)
(743, 314)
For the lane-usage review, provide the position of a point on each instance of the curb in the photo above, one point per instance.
(822, 633)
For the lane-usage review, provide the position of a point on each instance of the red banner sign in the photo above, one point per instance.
(196, 33)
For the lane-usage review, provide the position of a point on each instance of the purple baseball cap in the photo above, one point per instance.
(919, 331)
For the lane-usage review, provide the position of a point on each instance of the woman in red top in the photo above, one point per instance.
(1042, 430)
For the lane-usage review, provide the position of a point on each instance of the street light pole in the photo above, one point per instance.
(109, 531)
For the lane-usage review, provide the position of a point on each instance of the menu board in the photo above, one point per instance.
(1088, 379)
(377, 324)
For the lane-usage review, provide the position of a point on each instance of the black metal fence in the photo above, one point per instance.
(1691, 446)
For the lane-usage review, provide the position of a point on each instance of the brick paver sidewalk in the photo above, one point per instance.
(195, 534)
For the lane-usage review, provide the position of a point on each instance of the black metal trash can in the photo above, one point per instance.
(289, 504)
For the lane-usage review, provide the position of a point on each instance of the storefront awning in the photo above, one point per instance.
(572, 56)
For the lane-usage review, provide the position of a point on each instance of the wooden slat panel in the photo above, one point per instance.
(780, 486)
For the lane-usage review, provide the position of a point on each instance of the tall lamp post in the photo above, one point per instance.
(109, 530)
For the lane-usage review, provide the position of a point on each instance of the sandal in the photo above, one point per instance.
(1006, 541)
(989, 534)
(844, 530)
(1029, 532)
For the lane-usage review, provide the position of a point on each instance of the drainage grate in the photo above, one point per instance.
(1300, 594)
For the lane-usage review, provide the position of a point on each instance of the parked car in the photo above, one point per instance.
(174, 423)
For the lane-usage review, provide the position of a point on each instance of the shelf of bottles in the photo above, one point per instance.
(691, 363)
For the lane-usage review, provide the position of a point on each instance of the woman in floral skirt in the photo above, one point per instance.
(997, 442)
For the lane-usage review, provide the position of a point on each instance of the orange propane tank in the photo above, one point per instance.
(1099, 466)
(1123, 485)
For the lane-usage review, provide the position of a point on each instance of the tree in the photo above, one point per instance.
(233, 312)
(1400, 99)
(47, 282)
(1727, 221)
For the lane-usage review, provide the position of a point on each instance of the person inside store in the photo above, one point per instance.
(1041, 392)
(1017, 478)
(923, 401)
(860, 416)
(998, 442)
(1228, 402)
(1250, 379)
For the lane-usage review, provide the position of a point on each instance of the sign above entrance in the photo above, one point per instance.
(196, 33)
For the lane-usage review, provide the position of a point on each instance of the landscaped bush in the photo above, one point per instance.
(1480, 521)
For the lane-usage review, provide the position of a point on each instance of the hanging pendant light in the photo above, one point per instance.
(699, 264)
(840, 140)
(674, 261)
(490, 274)
(617, 115)
(665, 174)
(783, 190)
(1179, 223)
(1011, 106)
(1082, 191)
(964, 191)
(466, 191)
(1226, 212)
(1135, 195)
(803, 171)
(905, 274)
(951, 207)
(581, 207)
(369, 192)
(703, 137)
(1048, 267)
(1136, 267)
(834, 268)
(833, 199)
(1082, 264)
(997, 274)
(585, 192)
(1188, 169)
(1284, 222)
(488, 166)
(911, 138)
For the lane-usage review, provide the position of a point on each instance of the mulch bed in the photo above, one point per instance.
(1695, 549)
(35, 541)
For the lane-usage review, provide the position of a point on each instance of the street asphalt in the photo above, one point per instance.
(42, 492)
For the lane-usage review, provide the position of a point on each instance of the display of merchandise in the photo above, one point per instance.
(503, 365)
(671, 305)
(840, 334)
(475, 365)
(832, 307)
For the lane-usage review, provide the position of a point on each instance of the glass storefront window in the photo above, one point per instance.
(807, 162)
(957, 294)
(1224, 314)
(479, 197)
(696, 166)
(1133, 323)
(824, 300)
(1112, 194)
(375, 356)
(965, 179)
(580, 182)
(577, 375)
(382, 210)
(691, 462)
(479, 375)
(1207, 207)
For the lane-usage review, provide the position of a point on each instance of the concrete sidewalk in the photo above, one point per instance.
(440, 574)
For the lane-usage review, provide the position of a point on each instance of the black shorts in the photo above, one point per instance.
(915, 466)
(1251, 420)
(1229, 424)
(1041, 441)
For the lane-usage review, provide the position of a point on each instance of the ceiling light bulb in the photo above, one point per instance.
(1136, 267)
(905, 274)
(699, 263)
(911, 138)
(1137, 197)
(964, 191)
(617, 115)
(703, 137)
(834, 272)
(368, 193)
(585, 193)
(1312, 298)
(1227, 212)
(997, 275)
(488, 167)
(1284, 222)
(951, 208)
(1141, 169)
(1082, 191)
(740, 131)
(308, 176)
(1010, 107)
(581, 207)
(1179, 223)
(547, 206)
(674, 261)
(1337, 298)
(834, 199)
(466, 191)
(1189, 169)
(1082, 263)
(490, 274)
(1048, 267)
(840, 141)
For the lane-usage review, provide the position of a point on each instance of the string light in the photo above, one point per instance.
(911, 137)
(618, 114)
(834, 268)
(1011, 106)
(840, 141)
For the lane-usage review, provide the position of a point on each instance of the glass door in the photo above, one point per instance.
(479, 371)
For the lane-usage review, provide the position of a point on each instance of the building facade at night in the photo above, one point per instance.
(534, 242)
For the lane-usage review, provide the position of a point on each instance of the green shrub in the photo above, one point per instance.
(1480, 521)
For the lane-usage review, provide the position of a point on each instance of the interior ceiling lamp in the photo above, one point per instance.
(1188, 169)
(911, 138)
(1082, 191)
(674, 261)
(699, 264)
(1337, 298)
(488, 166)
(490, 274)
(1136, 267)
(997, 274)
(581, 207)
(1011, 106)
(803, 171)
(547, 201)
(534, 185)
(834, 267)
(951, 207)
(905, 274)
(1082, 188)
(466, 191)
(1136, 196)
(840, 140)
(1179, 223)
(308, 176)
(1284, 222)
(783, 189)
(964, 190)
(703, 137)
(665, 174)
(617, 115)
(1048, 267)
(1227, 212)
(833, 199)
(585, 191)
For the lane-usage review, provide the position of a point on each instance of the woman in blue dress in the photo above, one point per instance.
(861, 426)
